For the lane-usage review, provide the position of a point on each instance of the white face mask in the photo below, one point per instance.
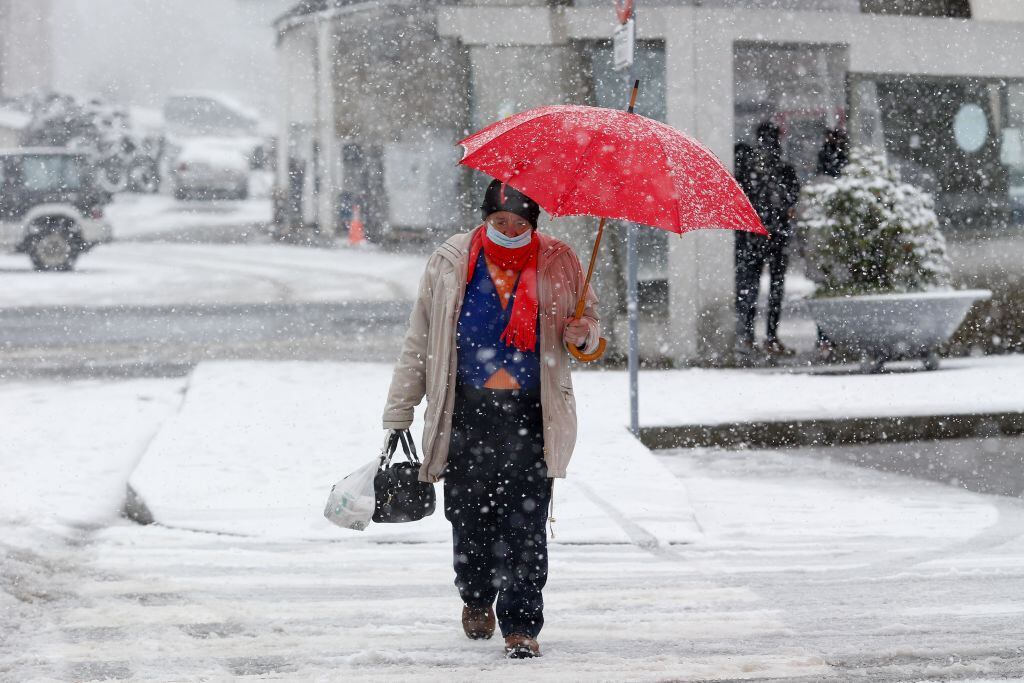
(503, 240)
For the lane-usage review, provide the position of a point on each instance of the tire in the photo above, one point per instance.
(181, 194)
(241, 193)
(54, 248)
(931, 361)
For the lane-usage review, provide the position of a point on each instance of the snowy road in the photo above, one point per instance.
(152, 307)
(810, 572)
(169, 340)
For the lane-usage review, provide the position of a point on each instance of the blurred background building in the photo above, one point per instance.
(375, 94)
(26, 49)
(26, 60)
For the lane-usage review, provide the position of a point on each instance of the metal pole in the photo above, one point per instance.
(632, 298)
(632, 307)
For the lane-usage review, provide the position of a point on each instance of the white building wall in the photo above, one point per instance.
(26, 57)
(297, 54)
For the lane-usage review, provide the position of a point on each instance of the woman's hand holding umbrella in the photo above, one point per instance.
(576, 332)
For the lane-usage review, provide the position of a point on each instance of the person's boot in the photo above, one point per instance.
(478, 622)
(521, 647)
(773, 347)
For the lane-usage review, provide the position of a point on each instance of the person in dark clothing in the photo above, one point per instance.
(834, 153)
(773, 188)
(497, 493)
(486, 343)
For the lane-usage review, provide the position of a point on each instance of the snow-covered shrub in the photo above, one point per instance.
(868, 232)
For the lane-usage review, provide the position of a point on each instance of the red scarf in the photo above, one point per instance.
(521, 331)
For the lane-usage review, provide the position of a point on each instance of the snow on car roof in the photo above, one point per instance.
(213, 151)
(225, 100)
(12, 118)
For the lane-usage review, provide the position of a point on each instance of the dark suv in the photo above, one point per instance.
(50, 206)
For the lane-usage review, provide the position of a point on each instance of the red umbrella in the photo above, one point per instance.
(608, 163)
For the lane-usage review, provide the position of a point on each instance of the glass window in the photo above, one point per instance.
(922, 8)
(958, 138)
(970, 127)
(1011, 152)
(51, 173)
(798, 86)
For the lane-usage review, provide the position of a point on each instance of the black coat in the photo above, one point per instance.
(773, 188)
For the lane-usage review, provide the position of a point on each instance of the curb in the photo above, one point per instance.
(785, 434)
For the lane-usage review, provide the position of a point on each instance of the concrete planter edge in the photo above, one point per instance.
(885, 327)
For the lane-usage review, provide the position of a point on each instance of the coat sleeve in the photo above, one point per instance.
(590, 315)
(409, 379)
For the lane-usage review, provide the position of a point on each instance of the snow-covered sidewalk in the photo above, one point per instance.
(803, 569)
(257, 446)
(711, 397)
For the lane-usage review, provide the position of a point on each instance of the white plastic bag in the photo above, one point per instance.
(351, 502)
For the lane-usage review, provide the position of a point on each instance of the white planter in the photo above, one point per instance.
(883, 327)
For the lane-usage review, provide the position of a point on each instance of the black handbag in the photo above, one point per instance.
(400, 495)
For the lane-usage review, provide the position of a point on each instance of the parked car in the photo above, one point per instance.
(50, 206)
(210, 168)
(201, 114)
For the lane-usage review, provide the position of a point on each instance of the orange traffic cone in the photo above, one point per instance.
(356, 235)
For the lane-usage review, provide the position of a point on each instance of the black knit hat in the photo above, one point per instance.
(502, 197)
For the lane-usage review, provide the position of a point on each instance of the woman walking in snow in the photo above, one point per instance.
(486, 346)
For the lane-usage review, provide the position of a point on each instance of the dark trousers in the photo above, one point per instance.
(496, 495)
(752, 253)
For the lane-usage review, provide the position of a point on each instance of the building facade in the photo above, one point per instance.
(381, 91)
(26, 57)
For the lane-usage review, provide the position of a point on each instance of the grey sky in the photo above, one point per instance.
(137, 51)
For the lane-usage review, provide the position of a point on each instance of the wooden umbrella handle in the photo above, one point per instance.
(582, 303)
(602, 344)
(581, 306)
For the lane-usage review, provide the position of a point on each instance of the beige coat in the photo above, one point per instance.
(427, 364)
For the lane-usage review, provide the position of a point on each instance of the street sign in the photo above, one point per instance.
(623, 41)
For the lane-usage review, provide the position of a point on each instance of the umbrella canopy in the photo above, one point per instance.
(591, 161)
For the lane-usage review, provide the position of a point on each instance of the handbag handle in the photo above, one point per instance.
(391, 442)
(409, 446)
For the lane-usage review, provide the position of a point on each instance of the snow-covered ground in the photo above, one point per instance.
(66, 448)
(285, 432)
(141, 217)
(701, 396)
(162, 273)
(799, 568)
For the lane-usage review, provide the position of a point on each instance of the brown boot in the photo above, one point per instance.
(478, 622)
(521, 647)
